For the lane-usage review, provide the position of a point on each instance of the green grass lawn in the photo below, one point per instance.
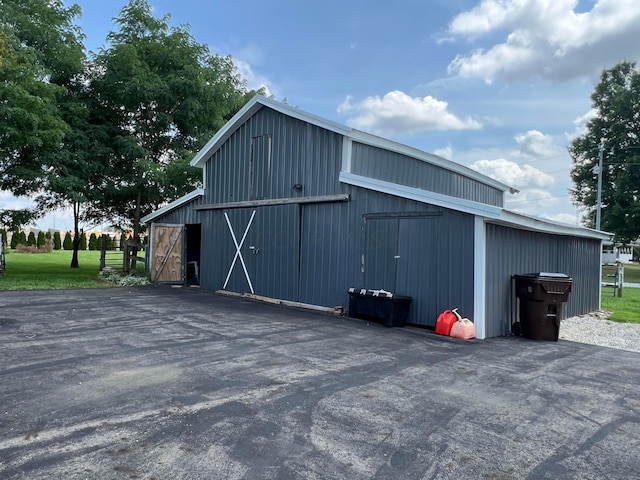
(632, 273)
(625, 309)
(29, 271)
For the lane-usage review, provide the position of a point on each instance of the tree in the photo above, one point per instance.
(15, 239)
(83, 241)
(93, 242)
(57, 243)
(40, 239)
(616, 130)
(40, 51)
(31, 239)
(108, 242)
(3, 235)
(67, 243)
(167, 94)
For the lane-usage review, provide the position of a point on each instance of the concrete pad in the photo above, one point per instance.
(162, 383)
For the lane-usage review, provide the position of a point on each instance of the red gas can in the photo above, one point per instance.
(445, 322)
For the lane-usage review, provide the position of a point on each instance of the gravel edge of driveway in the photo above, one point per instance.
(595, 329)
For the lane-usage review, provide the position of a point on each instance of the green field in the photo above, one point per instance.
(625, 309)
(29, 271)
(632, 273)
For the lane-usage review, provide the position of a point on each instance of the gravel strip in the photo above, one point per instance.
(595, 329)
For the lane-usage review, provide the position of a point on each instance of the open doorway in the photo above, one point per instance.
(193, 235)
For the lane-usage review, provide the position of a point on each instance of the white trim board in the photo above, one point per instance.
(424, 196)
(527, 222)
(480, 278)
(173, 205)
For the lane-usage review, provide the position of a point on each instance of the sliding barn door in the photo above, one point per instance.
(167, 248)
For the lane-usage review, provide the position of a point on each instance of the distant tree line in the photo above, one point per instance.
(19, 237)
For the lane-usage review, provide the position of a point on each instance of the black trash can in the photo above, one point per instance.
(541, 297)
(392, 310)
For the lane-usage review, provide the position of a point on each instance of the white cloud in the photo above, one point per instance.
(580, 124)
(532, 200)
(10, 202)
(254, 80)
(548, 38)
(563, 218)
(536, 144)
(519, 176)
(398, 113)
(446, 152)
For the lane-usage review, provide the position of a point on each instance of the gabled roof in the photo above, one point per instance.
(259, 101)
(173, 205)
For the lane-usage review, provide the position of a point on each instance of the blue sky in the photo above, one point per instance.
(498, 85)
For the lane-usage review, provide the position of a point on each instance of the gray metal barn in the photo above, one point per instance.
(296, 207)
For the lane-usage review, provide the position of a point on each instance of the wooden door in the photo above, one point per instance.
(167, 252)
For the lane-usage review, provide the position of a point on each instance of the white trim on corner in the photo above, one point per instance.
(479, 278)
(526, 222)
(173, 205)
(375, 141)
(347, 149)
(453, 203)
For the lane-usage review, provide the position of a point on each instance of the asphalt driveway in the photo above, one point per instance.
(163, 383)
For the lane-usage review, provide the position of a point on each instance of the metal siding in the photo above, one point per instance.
(182, 215)
(394, 167)
(333, 243)
(301, 154)
(274, 269)
(512, 251)
(380, 247)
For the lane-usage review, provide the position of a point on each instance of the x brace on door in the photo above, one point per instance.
(238, 252)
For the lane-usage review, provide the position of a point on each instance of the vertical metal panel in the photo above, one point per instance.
(381, 253)
(184, 214)
(512, 251)
(397, 168)
(436, 253)
(302, 155)
(269, 251)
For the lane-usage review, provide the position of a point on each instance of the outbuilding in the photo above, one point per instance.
(299, 208)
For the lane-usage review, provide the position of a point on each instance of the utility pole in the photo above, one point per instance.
(598, 171)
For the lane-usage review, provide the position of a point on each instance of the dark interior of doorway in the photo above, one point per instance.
(193, 232)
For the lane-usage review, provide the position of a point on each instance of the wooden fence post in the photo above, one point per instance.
(126, 261)
(2, 261)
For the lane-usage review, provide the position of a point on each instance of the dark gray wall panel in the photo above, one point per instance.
(511, 251)
(436, 256)
(301, 154)
(182, 215)
(397, 168)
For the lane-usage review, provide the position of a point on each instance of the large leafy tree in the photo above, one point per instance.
(165, 94)
(616, 130)
(40, 53)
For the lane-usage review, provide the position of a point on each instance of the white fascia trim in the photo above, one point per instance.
(386, 144)
(527, 222)
(479, 278)
(250, 108)
(453, 203)
(173, 205)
